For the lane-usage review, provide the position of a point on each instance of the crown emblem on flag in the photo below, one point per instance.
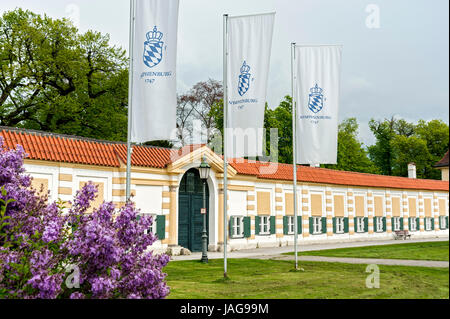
(315, 103)
(316, 90)
(153, 48)
(154, 35)
(244, 79)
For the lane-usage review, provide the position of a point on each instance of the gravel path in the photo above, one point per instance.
(366, 261)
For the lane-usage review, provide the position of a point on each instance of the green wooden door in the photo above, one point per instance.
(190, 220)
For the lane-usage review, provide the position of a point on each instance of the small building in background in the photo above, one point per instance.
(443, 166)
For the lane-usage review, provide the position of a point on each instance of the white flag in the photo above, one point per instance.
(154, 95)
(317, 94)
(249, 47)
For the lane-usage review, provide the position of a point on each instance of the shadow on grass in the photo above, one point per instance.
(224, 280)
(297, 270)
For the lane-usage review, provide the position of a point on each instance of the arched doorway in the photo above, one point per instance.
(190, 202)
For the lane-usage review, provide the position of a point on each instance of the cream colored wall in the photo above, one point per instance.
(247, 196)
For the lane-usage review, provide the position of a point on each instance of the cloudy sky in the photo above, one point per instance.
(394, 66)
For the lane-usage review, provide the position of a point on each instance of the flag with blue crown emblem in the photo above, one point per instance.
(317, 70)
(244, 79)
(249, 45)
(153, 48)
(154, 94)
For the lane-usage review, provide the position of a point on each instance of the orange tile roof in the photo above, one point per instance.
(72, 149)
(150, 156)
(61, 148)
(145, 156)
(329, 176)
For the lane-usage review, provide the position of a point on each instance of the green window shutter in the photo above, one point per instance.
(432, 223)
(409, 223)
(257, 225)
(230, 227)
(346, 225)
(418, 223)
(446, 221)
(272, 225)
(366, 224)
(285, 225)
(334, 225)
(247, 228)
(161, 227)
(392, 223)
(384, 224)
(324, 225)
(440, 224)
(401, 223)
(299, 224)
(311, 226)
(375, 224)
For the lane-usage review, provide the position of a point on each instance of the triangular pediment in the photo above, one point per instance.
(195, 156)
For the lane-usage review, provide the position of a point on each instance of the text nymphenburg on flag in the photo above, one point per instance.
(249, 48)
(317, 85)
(154, 96)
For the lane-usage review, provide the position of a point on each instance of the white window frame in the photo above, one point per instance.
(413, 224)
(340, 225)
(428, 223)
(291, 225)
(396, 224)
(238, 226)
(443, 222)
(360, 224)
(317, 225)
(379, 221)
(265, 223)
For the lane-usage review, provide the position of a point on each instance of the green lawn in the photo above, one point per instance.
(413, 251)
(274, 279)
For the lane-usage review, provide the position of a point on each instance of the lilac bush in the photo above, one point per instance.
(44, 246)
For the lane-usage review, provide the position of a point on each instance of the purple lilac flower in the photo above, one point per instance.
(111, 252)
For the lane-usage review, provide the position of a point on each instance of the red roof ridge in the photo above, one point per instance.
(300, 166)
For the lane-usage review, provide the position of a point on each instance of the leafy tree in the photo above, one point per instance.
(53, 78)
(381, 152)
(280, 119)
(200, 103)
(216, 113)
(399, 143)
(436, 135)
(406, 150)
(165, 144)
(352, 156)
(402, 127)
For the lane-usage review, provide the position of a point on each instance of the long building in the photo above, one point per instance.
(332, 205)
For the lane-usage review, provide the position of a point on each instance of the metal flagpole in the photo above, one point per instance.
(225, 126)
(130, 98)
(294, 153)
